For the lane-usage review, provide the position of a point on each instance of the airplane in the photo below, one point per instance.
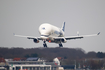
(53, 34)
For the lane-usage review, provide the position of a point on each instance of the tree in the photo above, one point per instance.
(34, 55)
(100, 55)
(91, 54)
(26, 56)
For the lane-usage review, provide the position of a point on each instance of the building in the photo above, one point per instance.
(57, 62)
(32, 59)
(32, 65)
(3, 68)
(3, 64)
(19, 59)
(2, 60)
(8, 60)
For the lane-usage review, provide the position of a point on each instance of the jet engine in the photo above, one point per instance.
(36, 40)
(64, 40)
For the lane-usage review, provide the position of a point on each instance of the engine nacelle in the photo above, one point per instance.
(64, 40)
(36, 40)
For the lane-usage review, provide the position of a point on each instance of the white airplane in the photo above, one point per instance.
(53, 34)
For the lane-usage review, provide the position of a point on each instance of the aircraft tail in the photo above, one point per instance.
(63, 27)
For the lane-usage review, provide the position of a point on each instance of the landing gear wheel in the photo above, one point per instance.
(60, 45)
(45, 45)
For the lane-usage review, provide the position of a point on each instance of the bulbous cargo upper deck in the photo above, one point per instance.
(45, 29)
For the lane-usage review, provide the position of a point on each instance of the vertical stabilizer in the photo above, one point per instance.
(63, 27)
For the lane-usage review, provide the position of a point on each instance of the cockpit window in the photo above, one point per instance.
(43, 28)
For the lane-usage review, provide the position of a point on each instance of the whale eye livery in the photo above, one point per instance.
(43, 28)
(52, 34)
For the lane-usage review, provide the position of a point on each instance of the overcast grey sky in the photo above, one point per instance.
(25, 16)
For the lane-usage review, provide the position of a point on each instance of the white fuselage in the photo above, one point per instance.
(48, 32)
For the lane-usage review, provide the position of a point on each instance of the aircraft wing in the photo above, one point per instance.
(28, 37)
(79, 37)
(75, 37)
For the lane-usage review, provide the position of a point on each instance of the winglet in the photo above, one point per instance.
(98, 33)
(78, 33)
(13, 33)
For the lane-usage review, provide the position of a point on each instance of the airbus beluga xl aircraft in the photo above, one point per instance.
(53, 34)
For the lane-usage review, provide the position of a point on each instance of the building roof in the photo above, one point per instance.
(32, 59)
(59, 58)
(19, 59)
(2, 60)
(16, 59)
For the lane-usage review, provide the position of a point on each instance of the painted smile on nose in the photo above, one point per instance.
(44, 36)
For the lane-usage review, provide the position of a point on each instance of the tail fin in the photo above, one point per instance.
(63, 27)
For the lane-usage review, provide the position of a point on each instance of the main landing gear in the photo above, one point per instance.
(44, 43)
(60, 45)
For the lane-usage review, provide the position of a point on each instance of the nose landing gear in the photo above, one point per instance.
(44, 44)
(60, 45)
